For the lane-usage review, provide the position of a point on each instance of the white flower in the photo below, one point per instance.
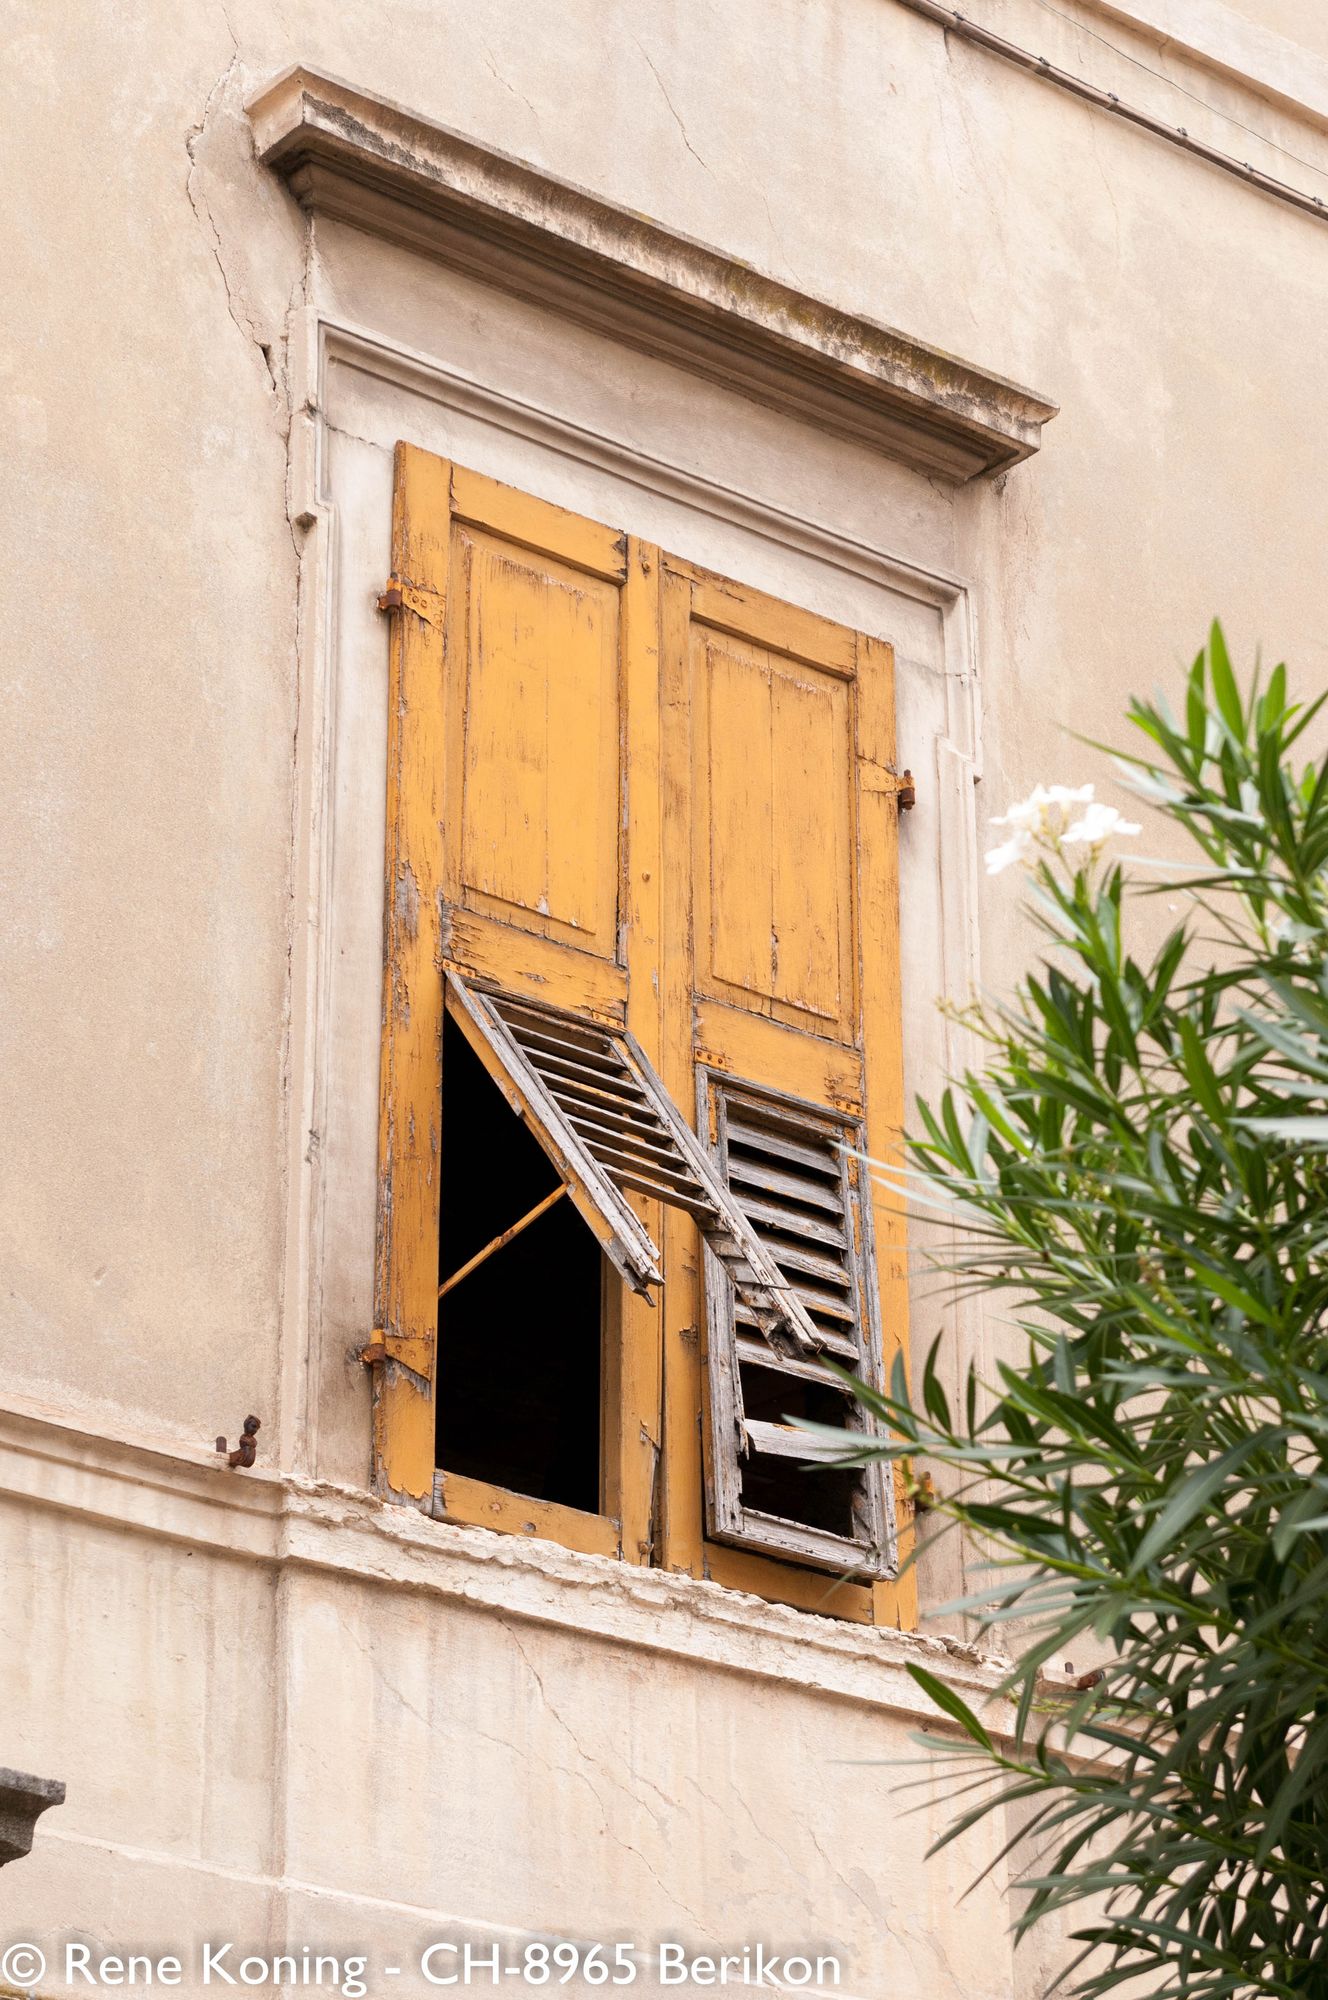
(1028, 815)
(1019, 847)
(1044, 811)
(1069, 795)
(1097, 824)
(1054, 817)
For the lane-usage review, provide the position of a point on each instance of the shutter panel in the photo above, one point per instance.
(592, 1098)
(795, 1172)
(788, 864)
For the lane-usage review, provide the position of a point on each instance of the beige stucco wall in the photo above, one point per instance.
(275, 1709)
(306, 1720)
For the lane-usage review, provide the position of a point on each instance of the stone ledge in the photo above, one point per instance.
(23, 1799)
(164, 1491)
(369, 163)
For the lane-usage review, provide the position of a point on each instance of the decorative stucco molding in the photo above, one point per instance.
(382, 169)
(23, 1799)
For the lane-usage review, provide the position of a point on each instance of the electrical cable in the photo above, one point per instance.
(1160, 76)
(956, 23)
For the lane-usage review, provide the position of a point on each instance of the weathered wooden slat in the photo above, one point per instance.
(826, 1304)
(753, 1352)
(788, 1222)
(581, 1111)
(546, 1018)
(630, 1110)
(794, 1256)
(597, 1057)
(637, 1140)
(615, 1153)
(645, 1137)
(581, 1069)
(696, 1206)
(840, 1346)
(780, 1536)
(759, 1173)
(779, 1145)
(783, 1441)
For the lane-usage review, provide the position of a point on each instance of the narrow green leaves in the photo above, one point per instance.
(952, 1705)
(1139, 1179)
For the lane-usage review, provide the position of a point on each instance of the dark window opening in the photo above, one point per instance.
(816, 1496)
(519, 1337)
(812, 1497)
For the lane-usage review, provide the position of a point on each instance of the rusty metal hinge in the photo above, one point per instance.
(414, 1352)
(401, 596)
(877, 778)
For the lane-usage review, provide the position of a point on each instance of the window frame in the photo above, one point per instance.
(654, 1394)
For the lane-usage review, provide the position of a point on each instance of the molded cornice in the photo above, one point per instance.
(366, 162)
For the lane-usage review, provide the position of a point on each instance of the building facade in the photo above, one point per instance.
(538, 537)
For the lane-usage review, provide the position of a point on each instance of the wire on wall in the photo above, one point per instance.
(1174, 83)
(958, 24)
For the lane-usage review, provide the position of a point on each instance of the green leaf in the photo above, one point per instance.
(1225, 692)
(946, 1699)
(1307, 1131)
(1299, 1517)
(1199, 1071)
(1190, 1497)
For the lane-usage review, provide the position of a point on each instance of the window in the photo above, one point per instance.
(641, 869)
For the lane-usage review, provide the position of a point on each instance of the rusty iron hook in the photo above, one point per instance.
(246, 1451)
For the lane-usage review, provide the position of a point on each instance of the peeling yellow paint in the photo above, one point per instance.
(660, 799)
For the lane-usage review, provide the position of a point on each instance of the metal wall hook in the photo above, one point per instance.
(246, 1451)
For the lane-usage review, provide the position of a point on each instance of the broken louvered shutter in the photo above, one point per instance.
(790, 860)
(601, 1113)
(797, 1176)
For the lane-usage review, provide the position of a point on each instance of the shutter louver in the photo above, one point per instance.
(592, 1098)
(795, 1172)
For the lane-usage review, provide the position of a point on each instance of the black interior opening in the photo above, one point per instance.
(519, 1338)
(815, 1497)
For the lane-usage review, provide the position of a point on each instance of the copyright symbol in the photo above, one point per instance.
(22, 1965)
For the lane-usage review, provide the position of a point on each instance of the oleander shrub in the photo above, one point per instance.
(1138, 1175)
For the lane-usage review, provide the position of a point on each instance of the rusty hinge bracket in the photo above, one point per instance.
(412, 1351)
(876, 778)
(914, 1488)
(400, 596)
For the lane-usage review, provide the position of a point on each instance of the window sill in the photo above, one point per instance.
(167, 1491)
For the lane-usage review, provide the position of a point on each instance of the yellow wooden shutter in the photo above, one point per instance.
(784, 746)
(517, 651)
(660, 803)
